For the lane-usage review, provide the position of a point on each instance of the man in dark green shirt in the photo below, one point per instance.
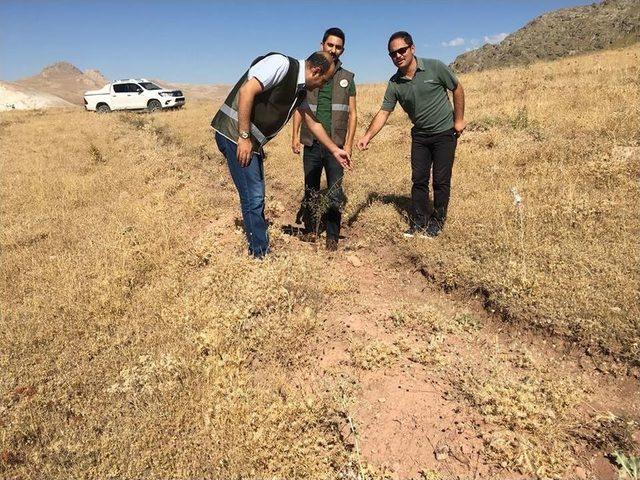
(420, 86)
(335, 108)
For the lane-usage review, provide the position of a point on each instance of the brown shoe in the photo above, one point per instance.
(332, 244)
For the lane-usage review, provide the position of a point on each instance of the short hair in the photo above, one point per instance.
(335, 31)
(319, 59)
(406, 36)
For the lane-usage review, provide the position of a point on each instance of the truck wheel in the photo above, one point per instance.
(103, 108)
(154, 105)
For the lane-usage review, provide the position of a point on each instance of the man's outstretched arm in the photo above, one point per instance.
(295, 134)
(376, 125)
(351, 125)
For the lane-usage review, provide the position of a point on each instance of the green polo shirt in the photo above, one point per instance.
(323, 113)
(424, 97)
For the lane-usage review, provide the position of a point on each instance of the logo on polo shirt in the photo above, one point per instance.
(344, 83)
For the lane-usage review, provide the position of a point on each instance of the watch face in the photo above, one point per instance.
(244, 135)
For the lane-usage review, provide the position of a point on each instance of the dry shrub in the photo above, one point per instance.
(428, 319)
(429, 354)
(429, 474)
(532, 408)
(373, 354)
(95, 154)
(150, 376)
(433, 326)
(609, 432)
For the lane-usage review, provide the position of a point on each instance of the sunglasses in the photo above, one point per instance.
(400, 51)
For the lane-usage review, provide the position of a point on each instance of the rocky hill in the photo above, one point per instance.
(18, 97)
(65, 80)
(569, 31)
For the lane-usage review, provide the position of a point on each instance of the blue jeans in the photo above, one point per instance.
(249, 181)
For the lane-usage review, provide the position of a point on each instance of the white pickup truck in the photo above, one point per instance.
(132, 94)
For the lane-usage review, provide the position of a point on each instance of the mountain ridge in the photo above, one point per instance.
(64, 80)
(559, 33)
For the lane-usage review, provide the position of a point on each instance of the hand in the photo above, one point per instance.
(459, 126)
(363, 143)
(343, 158)
(244, 151)
(296, 146)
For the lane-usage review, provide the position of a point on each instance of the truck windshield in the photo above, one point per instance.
(149, 86)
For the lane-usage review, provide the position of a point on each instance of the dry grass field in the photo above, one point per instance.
(567, 141)
(137, 340)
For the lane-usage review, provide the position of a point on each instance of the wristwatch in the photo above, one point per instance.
(244, 135)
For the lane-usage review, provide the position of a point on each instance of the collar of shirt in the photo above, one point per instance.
(419, 67)
(301, 75)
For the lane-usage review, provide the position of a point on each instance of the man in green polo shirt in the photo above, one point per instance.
(421, 85)
(335, 108)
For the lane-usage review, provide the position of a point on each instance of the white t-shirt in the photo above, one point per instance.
(270, 71)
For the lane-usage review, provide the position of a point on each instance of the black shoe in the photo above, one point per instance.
(332, 244)
(434, 228)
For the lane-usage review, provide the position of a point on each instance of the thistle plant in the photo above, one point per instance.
(517, 201)
(318, 204)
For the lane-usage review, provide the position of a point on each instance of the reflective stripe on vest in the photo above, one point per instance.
(334, 106)
(255, 131)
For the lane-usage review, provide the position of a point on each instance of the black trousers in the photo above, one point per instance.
(431, 152)
(329, 207)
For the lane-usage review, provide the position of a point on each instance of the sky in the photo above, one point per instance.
(197, 41)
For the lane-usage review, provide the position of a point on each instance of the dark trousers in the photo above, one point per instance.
(429, 152)
(249, 182)
(315, 158)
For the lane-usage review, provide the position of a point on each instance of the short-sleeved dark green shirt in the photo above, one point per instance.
(325, 94)
(424, 97)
